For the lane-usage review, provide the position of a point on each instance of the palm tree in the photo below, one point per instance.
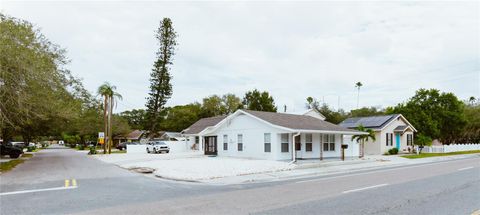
(472, 100)
(362, 138)
(358, 85)
(108, 92)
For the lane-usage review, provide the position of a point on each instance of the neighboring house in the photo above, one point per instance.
(267, 135)
(172, 136)
(391, 131)
(134, 136)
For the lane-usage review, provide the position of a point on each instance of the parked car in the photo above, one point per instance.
(157, 147)
(11, 150)
(19, 144)
(123, 146)
(61, 142)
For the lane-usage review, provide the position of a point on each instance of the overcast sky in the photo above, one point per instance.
(293, 50)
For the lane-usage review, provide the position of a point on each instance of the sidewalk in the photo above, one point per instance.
(324, 168)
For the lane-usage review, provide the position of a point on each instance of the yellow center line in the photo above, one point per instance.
(67, 183)
(74, 182)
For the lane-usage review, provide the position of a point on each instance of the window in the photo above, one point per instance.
(267, 142)
(240, 142)
(284, 143)
(298, 144)
(329, 142)
(332, 142)
(225, 142)
(389, 139)
(308, 142)
(197, 139)
(409, 139)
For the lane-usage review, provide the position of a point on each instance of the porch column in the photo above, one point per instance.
(200, 143)
(294, 151)
(342, 151)
(321, 146)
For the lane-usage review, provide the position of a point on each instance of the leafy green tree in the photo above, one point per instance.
(362, 138)
(181, 117)
(231, 103)
(260, 101)
(38, 95)
(136, 118)
(160, 86)
(121, 126)
(422, 141)
(366, 111)
(434, 114)
(212, 106)
(332, 116)
(471, 132)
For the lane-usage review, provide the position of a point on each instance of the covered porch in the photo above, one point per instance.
(318, 146)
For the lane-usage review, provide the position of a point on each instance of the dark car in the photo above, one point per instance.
(19, 144)
(11, 150)
(123, 146)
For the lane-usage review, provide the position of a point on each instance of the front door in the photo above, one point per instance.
(211, 145)
(398, 140)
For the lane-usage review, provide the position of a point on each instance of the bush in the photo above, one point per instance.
(72, 145)
(31, 148)
(93, 150)
(393, 151)
(81, 147)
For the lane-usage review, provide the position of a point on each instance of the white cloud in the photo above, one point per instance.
(293, 50)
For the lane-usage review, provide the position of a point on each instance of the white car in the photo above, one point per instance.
(157, 147)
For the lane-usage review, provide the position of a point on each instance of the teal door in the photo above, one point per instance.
(398, 141)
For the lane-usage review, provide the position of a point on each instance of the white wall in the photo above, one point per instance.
(403, 137)
(175, 147)
(353, 149)
(253, 139)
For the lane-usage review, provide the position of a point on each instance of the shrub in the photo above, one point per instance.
(31, 148)
(72, 145)
(93, 150)
(393, 151)
(81, 147)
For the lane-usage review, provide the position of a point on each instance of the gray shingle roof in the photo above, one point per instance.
(368, 122)
(201, 124)
(400, 128)
(299, 122)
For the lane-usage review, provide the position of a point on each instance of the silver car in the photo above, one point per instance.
(157, 147)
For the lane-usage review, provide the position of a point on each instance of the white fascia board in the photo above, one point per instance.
(400, 115)
(332, 132)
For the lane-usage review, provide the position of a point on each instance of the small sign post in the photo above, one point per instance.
(101, 137)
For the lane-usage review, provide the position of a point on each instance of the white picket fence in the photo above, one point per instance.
(451, 148)
(175, 146)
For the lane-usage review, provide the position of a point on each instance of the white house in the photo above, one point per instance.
(267, 135)
(391, 131)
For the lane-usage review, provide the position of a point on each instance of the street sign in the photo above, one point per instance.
(101, 134)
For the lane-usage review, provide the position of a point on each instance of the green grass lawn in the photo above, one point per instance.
(6, 166)
(119, 152)
(427, 155)
(27, 155)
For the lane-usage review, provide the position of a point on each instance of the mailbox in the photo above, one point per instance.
(344, 146)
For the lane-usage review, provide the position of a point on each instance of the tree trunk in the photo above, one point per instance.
(105, 125)
(110, 140)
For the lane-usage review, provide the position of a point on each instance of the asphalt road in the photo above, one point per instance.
(439, 188)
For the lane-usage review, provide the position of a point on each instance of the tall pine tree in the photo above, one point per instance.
(160, 86)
